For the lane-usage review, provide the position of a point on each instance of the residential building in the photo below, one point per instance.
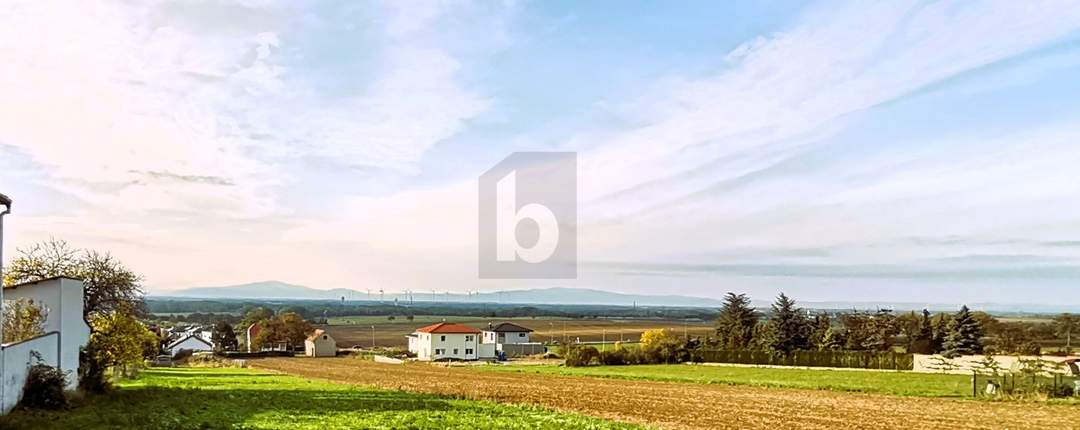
(449, 341)
(320, 344)
(192, 342)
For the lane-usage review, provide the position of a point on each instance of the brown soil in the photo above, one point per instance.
(686, 405)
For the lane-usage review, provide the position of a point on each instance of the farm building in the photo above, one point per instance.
(192, 342)
(320, 344)
(449, 341)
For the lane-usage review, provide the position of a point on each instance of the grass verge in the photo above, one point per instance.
(883, 382)
(213, 398)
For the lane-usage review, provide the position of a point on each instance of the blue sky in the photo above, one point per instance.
(895, 151)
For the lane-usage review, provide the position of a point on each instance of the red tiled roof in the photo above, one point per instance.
(447, 328)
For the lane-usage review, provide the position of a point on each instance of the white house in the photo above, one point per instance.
(506, 333)
(320, 344)
(449, 341)
(193, 342)
(66, 332)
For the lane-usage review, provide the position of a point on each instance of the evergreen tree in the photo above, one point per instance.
(735, 325)
(788, 327)
(224, 337)
(962, 335)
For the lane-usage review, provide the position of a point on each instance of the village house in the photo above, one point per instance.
(506, 333)
(511, 340)
(65, 333)
(192, 342)
(449, 341)
(320, 344)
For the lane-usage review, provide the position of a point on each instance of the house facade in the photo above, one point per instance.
(193, 342)
(320, 344)
(449, 341)
(65, 333)
(506, 333)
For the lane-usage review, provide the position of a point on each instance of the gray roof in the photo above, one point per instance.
(510, 328)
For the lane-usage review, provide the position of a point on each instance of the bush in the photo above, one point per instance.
(44, 388)
(615, 357)
(92, 370)
(577, 356)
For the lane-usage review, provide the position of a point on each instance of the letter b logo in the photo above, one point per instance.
(528, 216)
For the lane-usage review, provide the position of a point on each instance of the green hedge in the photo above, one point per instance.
(850, 359)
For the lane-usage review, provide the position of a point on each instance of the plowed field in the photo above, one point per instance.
(683, 405)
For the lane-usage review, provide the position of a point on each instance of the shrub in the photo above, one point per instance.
(577, 356)
(44, 388)
(615, 357)
(92, 369)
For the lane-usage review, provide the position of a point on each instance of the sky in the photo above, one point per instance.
(910, 151)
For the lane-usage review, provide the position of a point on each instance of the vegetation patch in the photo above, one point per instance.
(210, 398)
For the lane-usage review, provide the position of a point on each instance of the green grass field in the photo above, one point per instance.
(203, 398)
(895, 383)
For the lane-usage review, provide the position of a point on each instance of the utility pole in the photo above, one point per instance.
(372, 337)
(6, 203)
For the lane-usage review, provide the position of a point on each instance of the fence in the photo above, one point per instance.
(849, 359)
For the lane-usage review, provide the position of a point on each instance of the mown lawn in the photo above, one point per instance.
(882, 382)
(203, 398)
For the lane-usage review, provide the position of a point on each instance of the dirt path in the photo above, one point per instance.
(685, 405)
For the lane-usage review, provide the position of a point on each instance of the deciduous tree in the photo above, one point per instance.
(23, 319)
(224, 337)
(109, 285)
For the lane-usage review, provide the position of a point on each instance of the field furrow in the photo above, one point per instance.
(685, 405)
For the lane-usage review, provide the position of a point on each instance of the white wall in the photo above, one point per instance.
(64, 299)
(323, 346)
(433, 346)
(193, 343)
(924, 363)
(17, 359)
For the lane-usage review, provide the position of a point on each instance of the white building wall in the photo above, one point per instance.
(17, 359)
(64, 300)
(323, 346)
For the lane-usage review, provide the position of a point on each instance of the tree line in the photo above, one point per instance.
(789, 328)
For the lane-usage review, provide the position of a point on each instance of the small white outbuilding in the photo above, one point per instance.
(320, 344)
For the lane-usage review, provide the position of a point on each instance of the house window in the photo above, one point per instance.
(442, 338)
(468, 351)
(325, 338)
(468, 338)
(438, 351)
(455, 351)
(521, 334)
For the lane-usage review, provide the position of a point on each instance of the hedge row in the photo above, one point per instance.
(849, 359)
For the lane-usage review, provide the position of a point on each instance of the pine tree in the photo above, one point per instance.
(789, 329)
(735, 325)
(962, 335)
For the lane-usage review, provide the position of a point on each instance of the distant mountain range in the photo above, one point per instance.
(565, 296)
(559, 296)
